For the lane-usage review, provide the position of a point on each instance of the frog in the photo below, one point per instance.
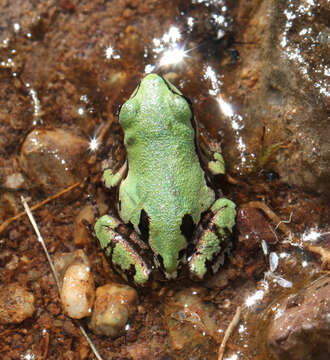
(169, 216)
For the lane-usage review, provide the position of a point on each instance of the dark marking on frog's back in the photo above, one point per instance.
(187, 227)
(161, 262)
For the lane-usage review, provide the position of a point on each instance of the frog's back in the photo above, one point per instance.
(165, 181)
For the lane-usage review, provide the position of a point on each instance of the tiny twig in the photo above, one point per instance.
(41, 240)
(96, 353)
(284, 221)
(276, 220)
(322, 252)
(37, 206)
(273, 231)
(44, 357)
(228, 332)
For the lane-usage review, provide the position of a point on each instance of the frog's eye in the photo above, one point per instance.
(181, 107)
(128, 113)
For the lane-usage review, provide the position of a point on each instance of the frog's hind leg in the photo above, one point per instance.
(212, 238)
(125, 250)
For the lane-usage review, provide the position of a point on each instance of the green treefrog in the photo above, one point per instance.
(169, 215)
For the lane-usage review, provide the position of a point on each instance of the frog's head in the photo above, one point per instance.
(154, 84)
(154, 106)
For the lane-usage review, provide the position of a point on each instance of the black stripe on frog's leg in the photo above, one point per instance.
(144, 226)
(211, 241)
(213, 262)
(126, 255)
(159, 261)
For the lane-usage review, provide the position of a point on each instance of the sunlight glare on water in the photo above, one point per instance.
(168, 49)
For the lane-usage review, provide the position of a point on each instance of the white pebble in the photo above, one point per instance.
(78, 293)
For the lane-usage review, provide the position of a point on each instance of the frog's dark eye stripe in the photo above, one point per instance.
(174, 92)
(118, 109)
(169, 87)
(135, 91)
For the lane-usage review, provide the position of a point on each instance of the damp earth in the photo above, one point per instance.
(257, 75)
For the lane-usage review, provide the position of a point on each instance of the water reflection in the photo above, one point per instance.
(232, 357)
(110, 53)
(93, 144)
(237, 123)
(253, 299)
(313, 234)
(172, 56)
(168, 50)
(36, 105)
(216, 84)
(227, 110)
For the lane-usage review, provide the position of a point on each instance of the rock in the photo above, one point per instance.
(281, 82)
(16, 304)
(253, 228)
(81, 234)
(114, 304)
(189, 318)
(53, 158)
(300, 328)
(77, 291)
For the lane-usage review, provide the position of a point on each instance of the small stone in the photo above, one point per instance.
(128, 13)
(114, 304)
(53, 158)
(77, 292)
(14, 181)
(253, 228)
(16, 304)
(189, 318)
(81, 234)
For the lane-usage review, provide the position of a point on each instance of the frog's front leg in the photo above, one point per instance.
(211, 155)
(124, 249)
(212, 238)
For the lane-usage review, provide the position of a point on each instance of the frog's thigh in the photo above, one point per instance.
(212, 238)
(123, 248)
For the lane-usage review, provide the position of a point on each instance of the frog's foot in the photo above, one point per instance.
(112, 179)
(211, 155)
(212, 238)
(124, 249)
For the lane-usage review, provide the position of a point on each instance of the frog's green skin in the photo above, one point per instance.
(165, 192)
